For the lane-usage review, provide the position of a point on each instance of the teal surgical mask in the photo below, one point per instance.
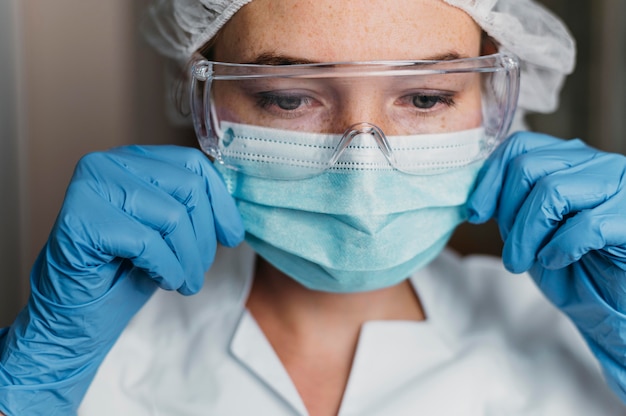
(360, 225)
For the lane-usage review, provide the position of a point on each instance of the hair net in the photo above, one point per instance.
(177, 28)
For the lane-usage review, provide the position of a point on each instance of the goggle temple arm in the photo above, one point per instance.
(201, 76)
(512, 67)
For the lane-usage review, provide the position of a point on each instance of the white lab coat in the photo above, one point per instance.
(491, 345)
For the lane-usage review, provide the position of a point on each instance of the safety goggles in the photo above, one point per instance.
(297, 121)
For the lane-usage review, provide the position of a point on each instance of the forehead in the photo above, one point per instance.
(347, 30)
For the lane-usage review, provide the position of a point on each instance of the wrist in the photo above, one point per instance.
(52, 352)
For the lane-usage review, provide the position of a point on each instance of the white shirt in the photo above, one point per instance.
(491, 345)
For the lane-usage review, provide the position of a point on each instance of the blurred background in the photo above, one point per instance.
(76, 77)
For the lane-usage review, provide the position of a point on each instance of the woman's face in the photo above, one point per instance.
(279, 32)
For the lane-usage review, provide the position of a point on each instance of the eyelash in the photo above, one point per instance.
(271, 102)
(446, 99)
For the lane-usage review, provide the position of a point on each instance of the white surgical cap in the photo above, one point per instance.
(178, 28)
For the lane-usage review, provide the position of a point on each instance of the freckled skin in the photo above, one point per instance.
(348, 30)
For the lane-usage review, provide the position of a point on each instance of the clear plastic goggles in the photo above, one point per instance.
(297, 121)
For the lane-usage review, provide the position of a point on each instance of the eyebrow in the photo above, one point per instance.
(269, 58)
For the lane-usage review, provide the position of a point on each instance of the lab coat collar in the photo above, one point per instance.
(388, 354)
(252, 349)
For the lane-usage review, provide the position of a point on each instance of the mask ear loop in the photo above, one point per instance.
(368, 129)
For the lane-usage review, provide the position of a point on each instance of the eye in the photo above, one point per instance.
(427, 102)
(288, 103)
(284, 102)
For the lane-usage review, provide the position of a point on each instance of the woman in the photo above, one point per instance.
(348, 178)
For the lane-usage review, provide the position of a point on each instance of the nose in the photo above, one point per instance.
(362, 105)
(367, 131)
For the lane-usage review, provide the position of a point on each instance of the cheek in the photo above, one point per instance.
(226, 103)
(470, 115)
(475, 117)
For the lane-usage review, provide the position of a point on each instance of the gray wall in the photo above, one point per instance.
(593, 104)
(86, 82)
(11, 277)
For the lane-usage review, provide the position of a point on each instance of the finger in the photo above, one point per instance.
(525, 170)
(600, 228)
(185, 186)
(227, 221)
(483, 203)
(84, 242)
(553, 199)
(150, 206)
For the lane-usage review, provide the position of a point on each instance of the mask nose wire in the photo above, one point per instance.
(360, 129)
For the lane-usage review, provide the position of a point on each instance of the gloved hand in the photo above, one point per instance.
(133, 218)
(561, 209)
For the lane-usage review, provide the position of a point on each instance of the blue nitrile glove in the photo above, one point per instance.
(134, 219)
(561, 209)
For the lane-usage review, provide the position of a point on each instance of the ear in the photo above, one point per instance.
(488, 45)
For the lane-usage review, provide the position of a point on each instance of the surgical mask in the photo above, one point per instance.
(346, 207)
(361, 225)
